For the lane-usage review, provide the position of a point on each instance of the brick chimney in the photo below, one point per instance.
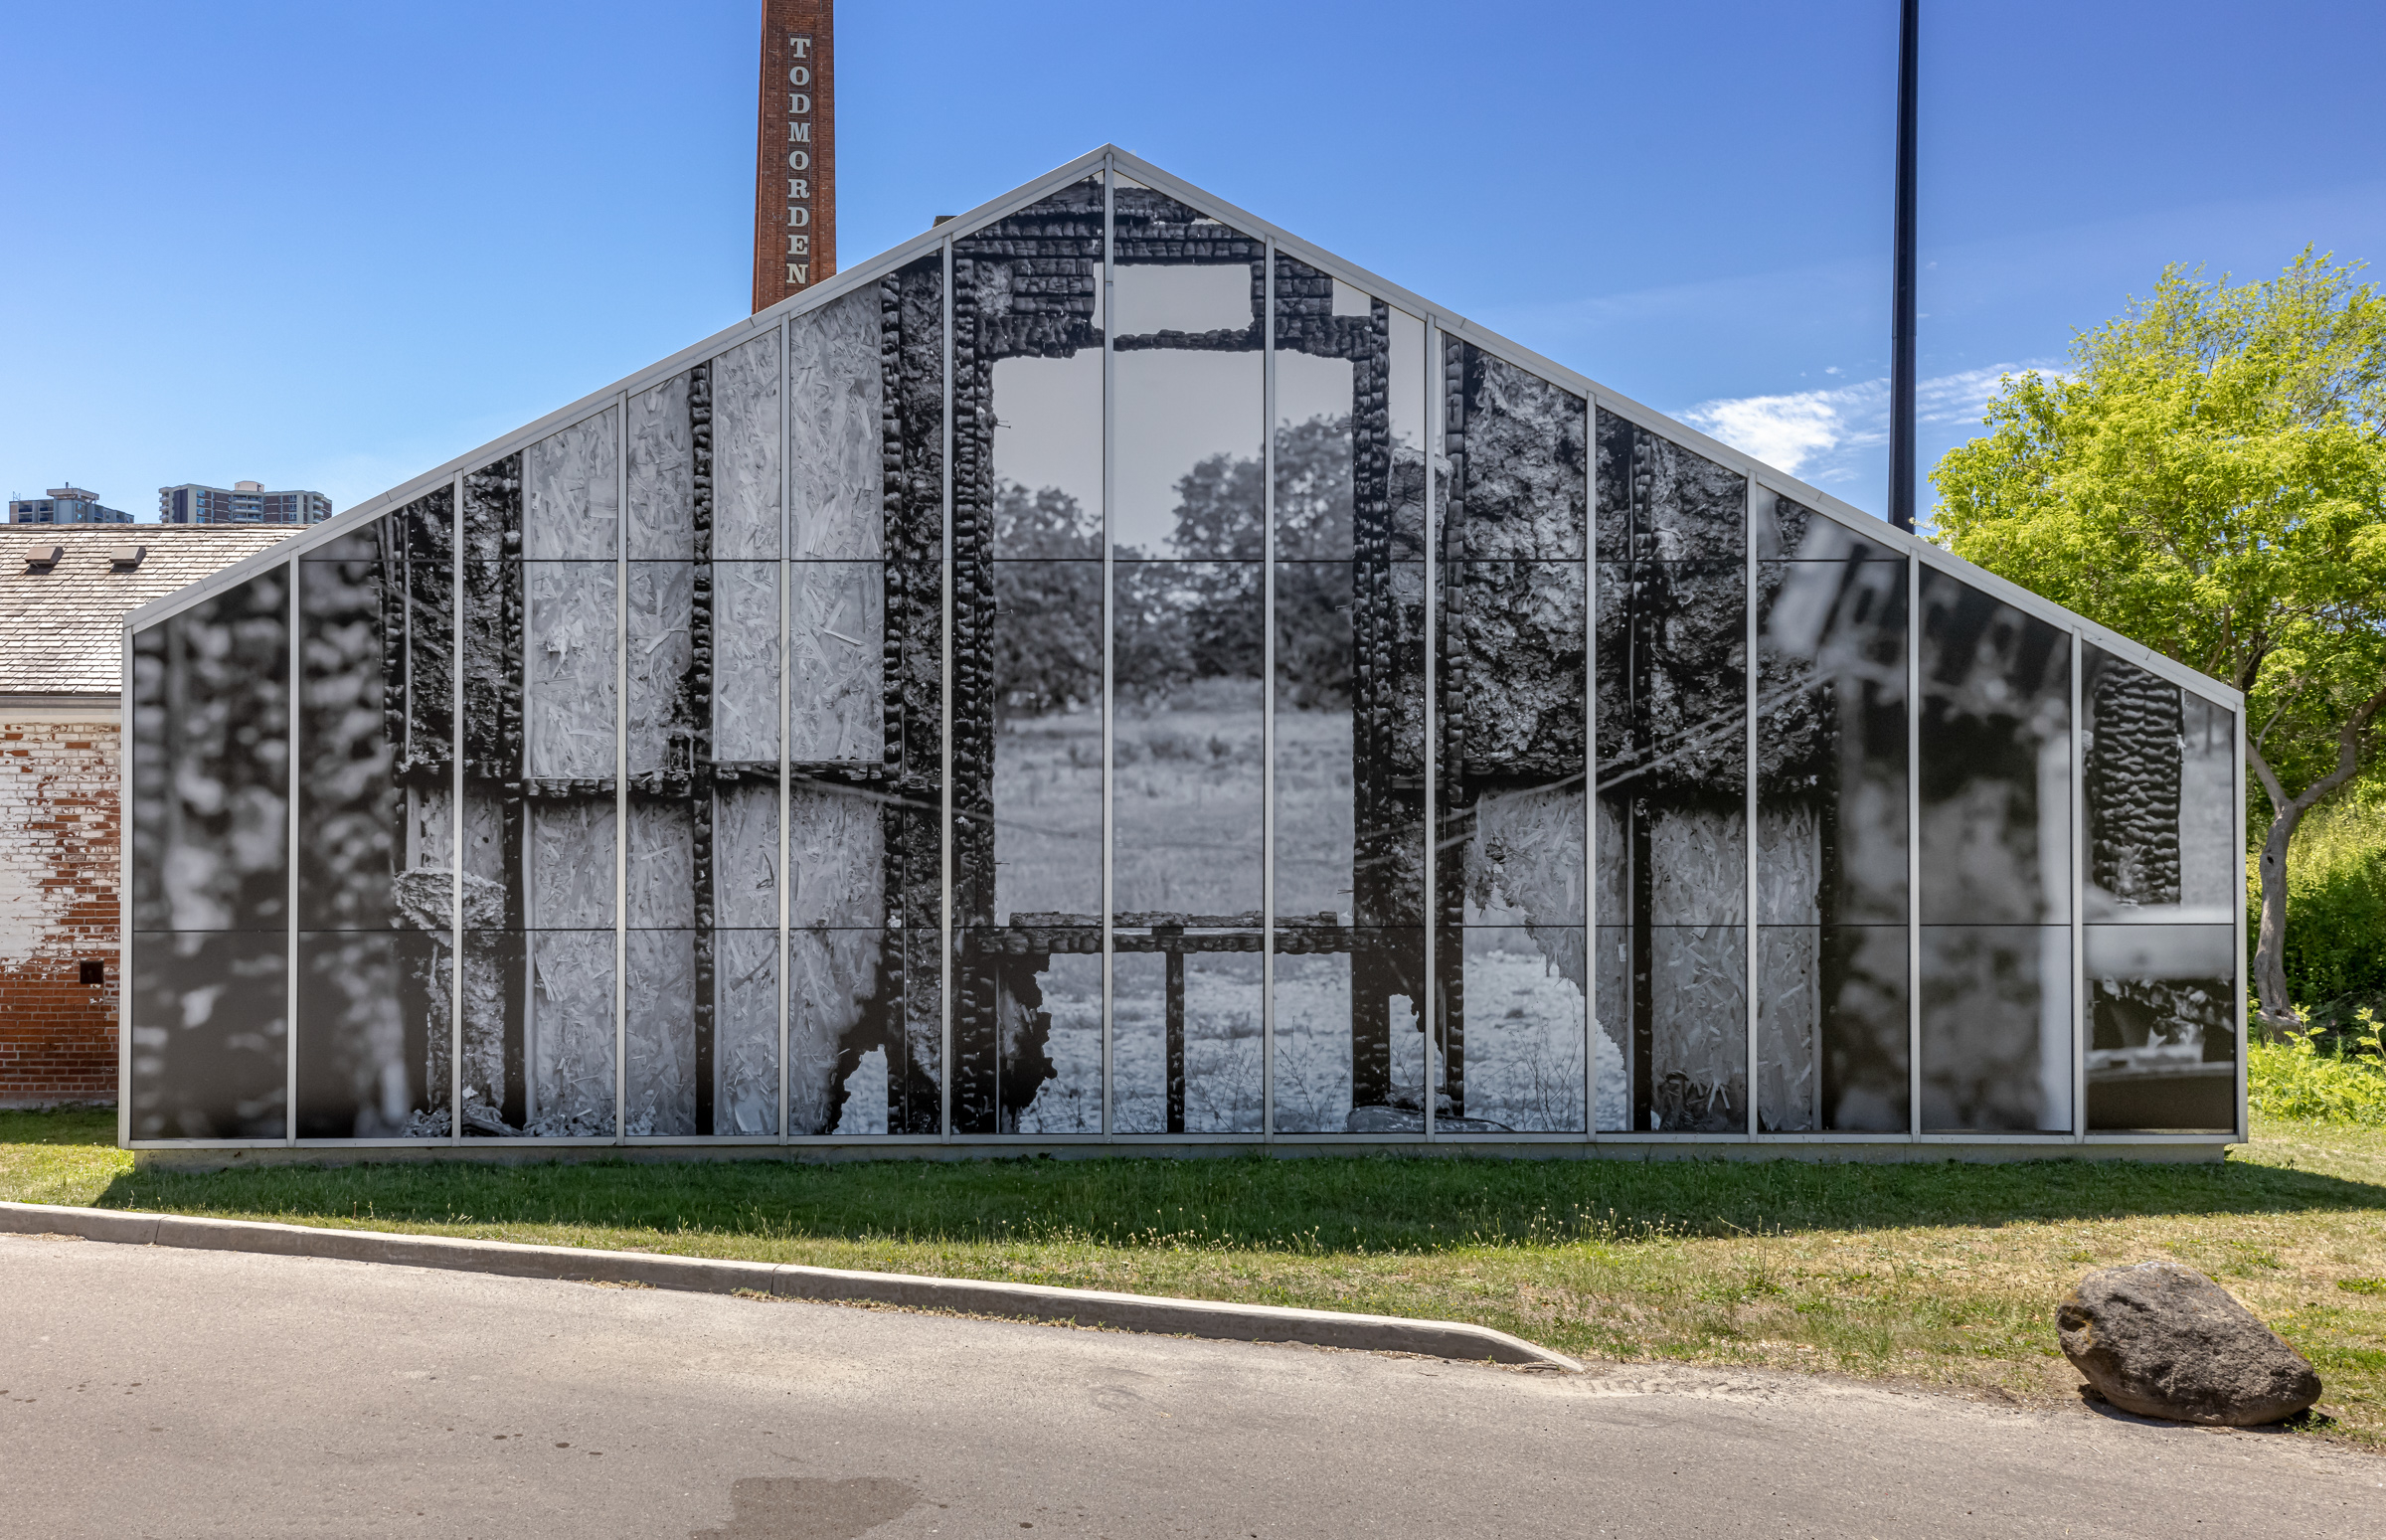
(795, 159)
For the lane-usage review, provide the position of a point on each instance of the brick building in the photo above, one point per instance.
(63, 595)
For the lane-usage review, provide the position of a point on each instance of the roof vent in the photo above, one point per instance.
(42, 558)
(126, 558)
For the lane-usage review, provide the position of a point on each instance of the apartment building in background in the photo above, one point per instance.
(66, 505)
(247, 502)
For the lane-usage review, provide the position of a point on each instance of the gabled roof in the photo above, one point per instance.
(61, 625)
(1448, 321)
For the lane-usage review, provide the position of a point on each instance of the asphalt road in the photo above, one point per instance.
(151, 1392)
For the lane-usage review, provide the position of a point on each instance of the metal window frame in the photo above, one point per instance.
(947, 975)
(1108, 163)
(1591, 1027)
(1268, 575)
(1748, 848)
(1436, 455)
(622, 769)
(289, 1023)
(1110, 578)
(1913, 844)
(2075, 809)
(456, 811)
(784, 649)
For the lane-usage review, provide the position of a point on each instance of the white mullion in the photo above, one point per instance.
(1748, 591)
(2243, 1116)
(289, 1031)
(455, 809)
(2077, 809)
(126, 940)
(1913, 847)
(948, 980)
(785, 651)
(621, 770)
(1109, 478)
(1267, 705)
(1591, 1030)
(1436, 445)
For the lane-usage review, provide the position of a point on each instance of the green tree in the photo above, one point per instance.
(2209, 477)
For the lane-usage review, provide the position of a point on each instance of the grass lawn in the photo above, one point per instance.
(1944, 1273)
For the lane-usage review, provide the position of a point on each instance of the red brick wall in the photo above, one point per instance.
(59, 869)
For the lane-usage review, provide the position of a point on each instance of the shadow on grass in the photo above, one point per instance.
(1315, 1205)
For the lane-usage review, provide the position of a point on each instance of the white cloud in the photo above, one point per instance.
(1782, 430)
(1815, 430)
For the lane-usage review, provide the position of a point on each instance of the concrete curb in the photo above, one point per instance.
(1031, 1301)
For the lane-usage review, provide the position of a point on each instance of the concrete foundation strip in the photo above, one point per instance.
(1031, 1301)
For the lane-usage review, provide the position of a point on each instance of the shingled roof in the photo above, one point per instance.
(62, 624)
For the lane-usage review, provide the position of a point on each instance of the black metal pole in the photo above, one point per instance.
(1901, 325)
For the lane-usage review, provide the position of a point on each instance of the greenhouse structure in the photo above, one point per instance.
(1107, 671)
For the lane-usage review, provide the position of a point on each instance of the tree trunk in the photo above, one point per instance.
(2286, 816)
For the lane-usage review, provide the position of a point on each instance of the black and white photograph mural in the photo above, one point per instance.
(1109, 670)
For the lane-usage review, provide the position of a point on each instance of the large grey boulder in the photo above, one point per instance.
(2164, 1340)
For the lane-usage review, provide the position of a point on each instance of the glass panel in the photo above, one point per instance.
(1031, 1062)
(211, 704)
(1522, 1065)
(373, 1009)
(209, 1016)
(746, 1032)
(745, 635)
(571, 663)
(1519, 476)
(538, 1039)
(1831, 781)
(2162, 1026)
(366, 804)
(1672, 836)
(661, 1030)
(1831, 856)
(1046, 806)
(1789, 531)
(1995, 787)
(836, 461)
(376, 863)
(1996, 1026)
(846, 1026)
(744, 442)
(1185, 736)
(571, 873)
(1831, 1029)
(1185, 1040)
(662, 480)
(2159, 769)
(836, 649)
(572, 500)
(1349, 1037)
(1510, 748)
(1027, 707)
(703, 1011)
(745, 856)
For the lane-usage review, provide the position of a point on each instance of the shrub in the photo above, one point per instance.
(2296, 1079)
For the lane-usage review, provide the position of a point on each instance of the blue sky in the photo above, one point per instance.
(329, 246)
